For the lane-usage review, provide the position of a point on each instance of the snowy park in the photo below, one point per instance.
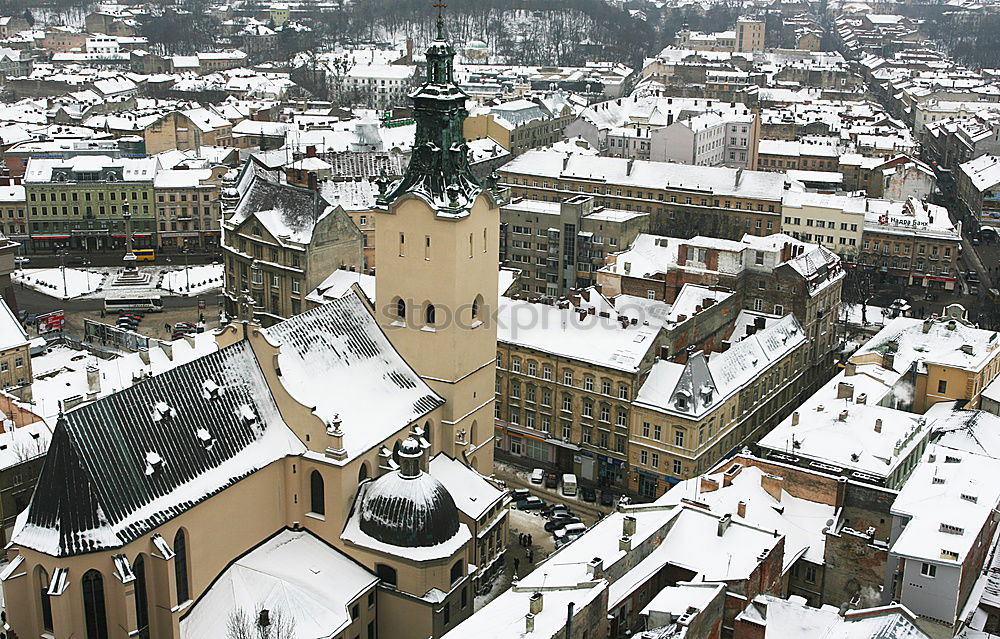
(97, 282)
(192, 280)
(61, 283)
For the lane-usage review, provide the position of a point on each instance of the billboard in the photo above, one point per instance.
(48, 322)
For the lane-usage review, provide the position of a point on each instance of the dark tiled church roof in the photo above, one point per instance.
(121, 466)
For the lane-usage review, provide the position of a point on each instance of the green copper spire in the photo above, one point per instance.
(439, 163)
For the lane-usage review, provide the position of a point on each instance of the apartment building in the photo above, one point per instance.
(681, 200)
(701, 131)
(809, 154)
(835, 221)
(776, 274)
(78, 202)
(979, 190)
(13, 212)
(280, 242)
(522, 124)
(558, 246)
(188, 208)
(568, 370)
(687, 416)
(911, 243)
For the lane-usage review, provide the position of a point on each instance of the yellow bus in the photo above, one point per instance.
(144, 255)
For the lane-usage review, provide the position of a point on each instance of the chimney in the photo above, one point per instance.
(724, 522)
(888, 359)
(311, 151)
(928, 323)
(760, 323)
(850, 369)
(709, 485)
(741, 509)
(168, 349)
(843, 416)
(772, 485)
(628, 526)
(535, 603)
(144, 355)
(845, 390)
(862, 398)
(529, 622)
(93, 380)
(878, 425)
(625, 544)
(795, 418)
(595, 568)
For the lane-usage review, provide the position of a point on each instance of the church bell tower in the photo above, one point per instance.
(437, 237)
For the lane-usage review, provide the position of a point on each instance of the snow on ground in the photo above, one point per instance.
(201, 278)
(874, 315)
(50, 281)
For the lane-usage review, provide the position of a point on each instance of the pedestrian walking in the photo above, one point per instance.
(529, 540)
(517, 563)
(531, 556)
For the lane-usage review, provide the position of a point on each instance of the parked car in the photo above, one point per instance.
(20, 260)
(530, 503)
(537, 476)
(520, 493)
(77, 260)
(556, 510)
(559, 522)
(551, 480)
(588, 494)
(607, 498)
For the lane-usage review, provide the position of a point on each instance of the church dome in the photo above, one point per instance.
(408, 507)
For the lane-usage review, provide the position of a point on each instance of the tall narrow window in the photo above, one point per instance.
(94, 614)
(401, 308)
(141, 598)
(181, 566)
(402, 244)
(427, 247)
(317, 498)
(484, 240)
(43, 594)
(475, 307)
(430, 315)
(470, 244)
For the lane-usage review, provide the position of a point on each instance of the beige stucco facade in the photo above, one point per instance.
(434, 260)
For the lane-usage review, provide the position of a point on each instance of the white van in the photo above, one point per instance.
(569, 485)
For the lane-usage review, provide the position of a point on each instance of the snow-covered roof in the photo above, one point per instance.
(706, 180)
(792, 617)
(12, 333)
(703, 383)
(337, 359)
(983, 172)
(569, 333)
(843, 435)
(309, 583)
(948, 499)
(125, 464)
(942, 343)
(61, 372)
(802, 522)
(339, 283)
(473, 493)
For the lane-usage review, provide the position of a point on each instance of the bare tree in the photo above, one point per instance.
(265, 624)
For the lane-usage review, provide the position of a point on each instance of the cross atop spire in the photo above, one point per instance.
(440, 19)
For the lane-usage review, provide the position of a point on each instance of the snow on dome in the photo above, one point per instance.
(408, 507)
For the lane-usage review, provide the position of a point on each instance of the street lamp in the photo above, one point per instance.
(62, 267)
